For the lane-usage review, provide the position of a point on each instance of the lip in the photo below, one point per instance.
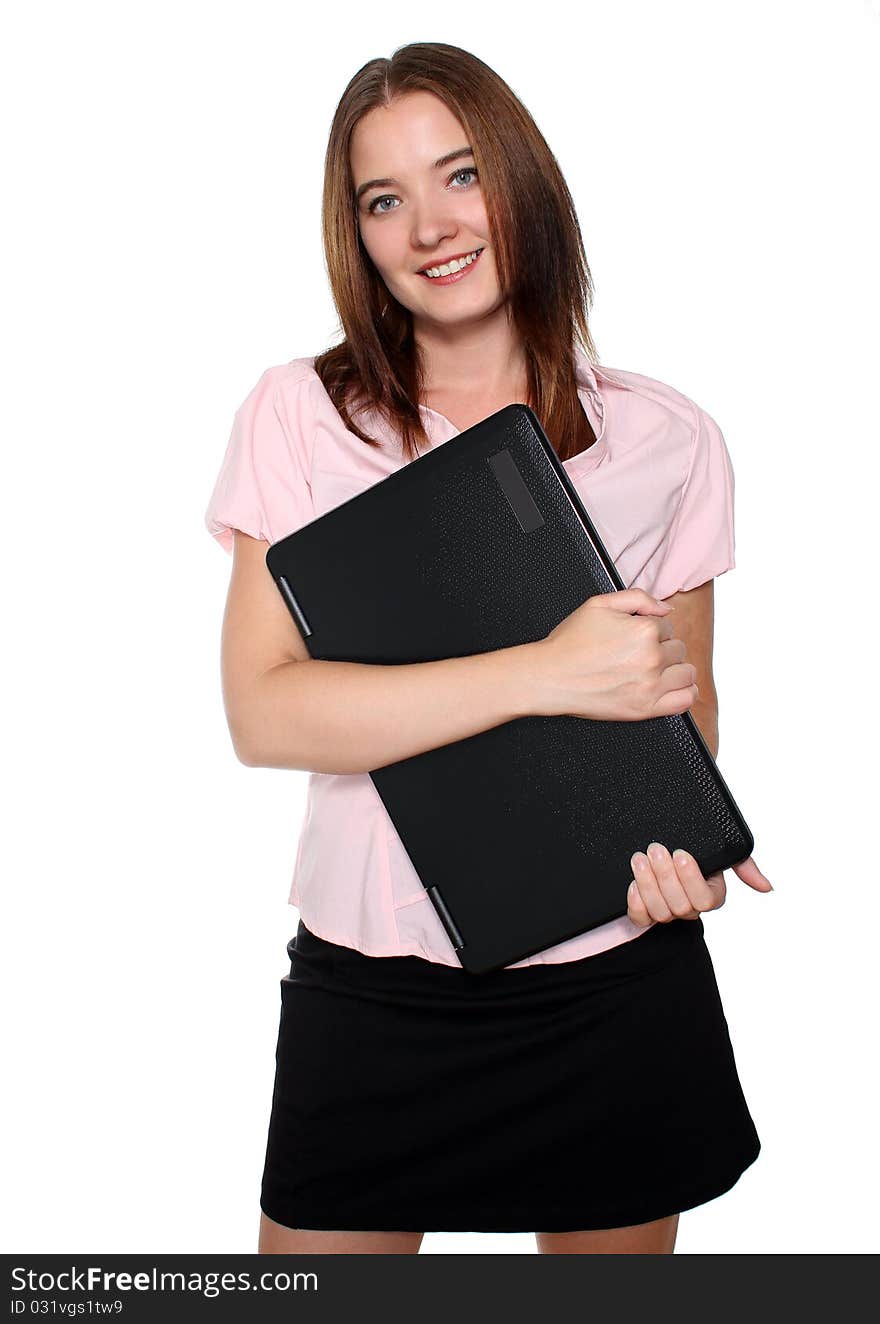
(453, 275)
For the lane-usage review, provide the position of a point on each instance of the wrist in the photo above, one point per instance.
(529, 687)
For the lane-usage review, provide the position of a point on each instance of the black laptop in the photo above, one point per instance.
(522, 835)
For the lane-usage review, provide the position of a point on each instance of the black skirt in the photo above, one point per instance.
(414, 1096)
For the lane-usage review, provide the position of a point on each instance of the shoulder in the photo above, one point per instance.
(645, 409)
(649, 392)
(291, 380)
(283, 405)
(675, 484)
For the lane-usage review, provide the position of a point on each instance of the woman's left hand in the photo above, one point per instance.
(667, 887)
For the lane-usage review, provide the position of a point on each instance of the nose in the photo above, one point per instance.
(430, 228)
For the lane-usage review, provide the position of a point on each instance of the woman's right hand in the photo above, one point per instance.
(614, 659)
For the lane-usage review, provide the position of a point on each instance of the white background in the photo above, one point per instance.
(164, 166)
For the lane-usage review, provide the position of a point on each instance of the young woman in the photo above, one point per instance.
(589, 1092)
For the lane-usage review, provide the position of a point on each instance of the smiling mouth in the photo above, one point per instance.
(453, 275)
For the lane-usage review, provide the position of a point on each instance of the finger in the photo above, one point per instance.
(749, 872)
(718, 884)
(655, 902)
(636, 908)
(671, 885)
(703, 893)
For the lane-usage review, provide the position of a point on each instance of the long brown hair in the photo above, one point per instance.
(538, 249)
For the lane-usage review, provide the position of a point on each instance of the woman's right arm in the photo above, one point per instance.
(288, 710)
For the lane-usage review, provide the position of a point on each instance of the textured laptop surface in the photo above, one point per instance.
(522, 834)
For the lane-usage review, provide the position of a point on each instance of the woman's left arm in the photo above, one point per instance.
(694, 624)
(667, 886)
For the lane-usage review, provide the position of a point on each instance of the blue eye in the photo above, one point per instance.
(373, 205)
(374, 209)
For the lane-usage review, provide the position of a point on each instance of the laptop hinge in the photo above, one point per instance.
(448, 922)
(294, 606)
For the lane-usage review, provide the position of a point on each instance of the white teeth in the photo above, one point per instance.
(455, 265)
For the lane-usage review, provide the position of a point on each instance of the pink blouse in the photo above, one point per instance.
(658, 485)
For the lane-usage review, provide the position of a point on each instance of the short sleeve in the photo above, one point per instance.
(700, 544)
(263, 487)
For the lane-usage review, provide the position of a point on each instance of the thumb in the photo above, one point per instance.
(636, 601)
(749, 872)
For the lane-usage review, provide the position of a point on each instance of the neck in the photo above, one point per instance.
(481, 358)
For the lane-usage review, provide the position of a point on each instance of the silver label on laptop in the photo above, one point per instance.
(513, 485)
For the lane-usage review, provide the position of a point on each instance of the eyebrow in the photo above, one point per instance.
(438, 165)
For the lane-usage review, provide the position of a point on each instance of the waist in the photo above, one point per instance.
(317, 963)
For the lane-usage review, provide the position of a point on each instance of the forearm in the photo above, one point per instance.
(345, 717)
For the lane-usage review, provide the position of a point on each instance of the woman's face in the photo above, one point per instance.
(428, 214)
